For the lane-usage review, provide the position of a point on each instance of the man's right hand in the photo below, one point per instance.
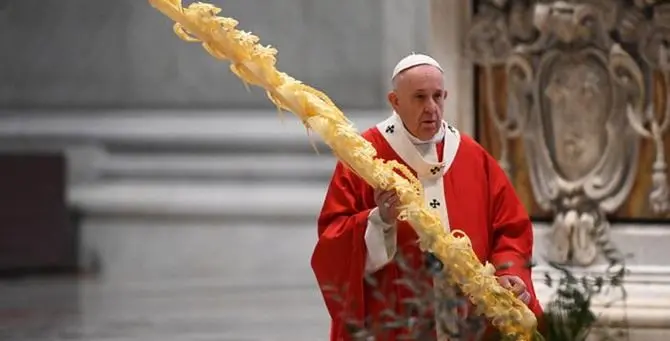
(387, 203)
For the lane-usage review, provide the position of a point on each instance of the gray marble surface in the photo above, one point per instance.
(212, 145)
(96, 53)
(91, 310)
(225, 251)
(242, 253)
(171, 280)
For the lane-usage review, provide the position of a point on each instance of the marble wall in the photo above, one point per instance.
(120, 54)
(163, 191)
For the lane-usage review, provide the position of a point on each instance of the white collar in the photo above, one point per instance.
(400, 141)
(428, 171)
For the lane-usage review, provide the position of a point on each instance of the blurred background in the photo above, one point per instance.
(147, 195)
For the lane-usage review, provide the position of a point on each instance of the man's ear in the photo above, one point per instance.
(393, 99)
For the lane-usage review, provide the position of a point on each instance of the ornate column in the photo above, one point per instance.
(575, 95)
(449, 22)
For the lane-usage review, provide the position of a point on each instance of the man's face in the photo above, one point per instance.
(418, 98)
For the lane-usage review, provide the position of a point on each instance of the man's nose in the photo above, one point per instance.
(432, 106)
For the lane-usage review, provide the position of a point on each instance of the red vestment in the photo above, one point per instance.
(480, 201)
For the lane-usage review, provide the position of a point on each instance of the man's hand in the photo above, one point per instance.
(516, 286)
(387, 203)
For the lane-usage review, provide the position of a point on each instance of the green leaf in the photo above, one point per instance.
(379, 296)
(531, 263)
(409, 284)
(504, 266)
(371, 281)
(548, 281)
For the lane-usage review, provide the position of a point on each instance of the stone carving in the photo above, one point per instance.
(580, 101)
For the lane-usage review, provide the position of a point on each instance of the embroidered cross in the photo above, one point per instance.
(453, 131)
(435, 169)
(390, 129)
(434, 203)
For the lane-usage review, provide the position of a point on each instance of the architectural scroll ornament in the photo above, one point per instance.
(579, 85)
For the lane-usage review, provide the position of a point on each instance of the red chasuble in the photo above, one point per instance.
(466, 187)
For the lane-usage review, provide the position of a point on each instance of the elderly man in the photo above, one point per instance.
(363, 250)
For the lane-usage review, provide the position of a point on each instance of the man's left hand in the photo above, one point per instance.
(516, 286)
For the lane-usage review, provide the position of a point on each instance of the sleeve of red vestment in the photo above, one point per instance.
(338, 260)
(512, 245)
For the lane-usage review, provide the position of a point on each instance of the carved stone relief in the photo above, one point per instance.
(579, 80)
